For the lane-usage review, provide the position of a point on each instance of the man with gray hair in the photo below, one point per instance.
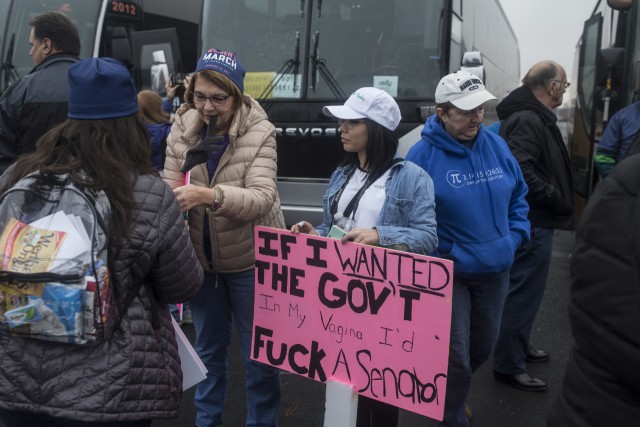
(38, 101)
(530, 129)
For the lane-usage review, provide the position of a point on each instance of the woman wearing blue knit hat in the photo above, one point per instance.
(134, 375)
(233, 189)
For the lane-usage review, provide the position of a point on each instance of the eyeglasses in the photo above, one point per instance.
(349, 124)
(564, 84)
(216, 100)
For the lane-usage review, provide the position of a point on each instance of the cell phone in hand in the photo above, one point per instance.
(336, 232)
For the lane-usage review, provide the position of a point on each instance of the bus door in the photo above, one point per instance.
(122, 18)
(586, 129)
(155, 38)
(156, 57)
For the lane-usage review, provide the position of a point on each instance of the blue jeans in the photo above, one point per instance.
(475, 321)
(526, 289)
(221, 298)
(28, 419)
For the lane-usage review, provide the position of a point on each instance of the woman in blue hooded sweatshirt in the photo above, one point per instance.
(158, 124)
(482, 220)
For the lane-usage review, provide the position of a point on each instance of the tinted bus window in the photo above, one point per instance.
(84, 14)
(394, 45)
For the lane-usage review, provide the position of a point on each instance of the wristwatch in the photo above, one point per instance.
(217, 199)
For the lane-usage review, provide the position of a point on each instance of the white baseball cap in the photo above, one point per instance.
(462, 89)
(368, 103)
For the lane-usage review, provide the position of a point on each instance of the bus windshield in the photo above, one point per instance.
(328, 49)
(15, 31)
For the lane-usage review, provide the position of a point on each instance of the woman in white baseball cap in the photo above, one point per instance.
(375, 199)
(482, 220)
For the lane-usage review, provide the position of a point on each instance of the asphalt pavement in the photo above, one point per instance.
(493, 404)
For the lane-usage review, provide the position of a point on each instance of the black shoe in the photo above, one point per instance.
(522, 381)
(537, 356)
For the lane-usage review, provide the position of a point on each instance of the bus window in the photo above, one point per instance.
(400, 56)
(84, 14)
(4, 13)
(264, 36)
(351, 44)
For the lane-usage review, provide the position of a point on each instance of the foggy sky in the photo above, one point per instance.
(547, 29)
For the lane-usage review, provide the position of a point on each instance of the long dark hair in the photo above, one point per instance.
(104, 154)
(382, 145)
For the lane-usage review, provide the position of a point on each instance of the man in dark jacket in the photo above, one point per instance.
(529, 127)
(38, 101)
(602, 382)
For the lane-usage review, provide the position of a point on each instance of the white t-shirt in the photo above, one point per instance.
(370, 206)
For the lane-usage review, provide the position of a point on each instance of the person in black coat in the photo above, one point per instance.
(38, 101)
(530, 129)
(602, 382)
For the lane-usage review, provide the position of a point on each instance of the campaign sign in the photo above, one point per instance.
(375, 318)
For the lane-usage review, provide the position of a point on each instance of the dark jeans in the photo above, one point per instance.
(221, 299)
(373, 413)
(27, 419)
(526, 289)
(475, 322)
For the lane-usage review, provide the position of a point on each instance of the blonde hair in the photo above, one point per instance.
(150, 108)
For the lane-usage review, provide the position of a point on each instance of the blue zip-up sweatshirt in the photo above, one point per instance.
(158, 132)
(480, 199)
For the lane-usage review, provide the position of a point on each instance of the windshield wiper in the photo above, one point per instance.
(321, 65)
(289, 65)
(11, 73)
(319, 2)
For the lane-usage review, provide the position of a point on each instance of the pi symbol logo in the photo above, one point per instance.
(455, 178)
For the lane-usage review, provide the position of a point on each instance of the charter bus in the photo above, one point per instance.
(155, 37)
(304, 54)
(607, 70)
(300, 55)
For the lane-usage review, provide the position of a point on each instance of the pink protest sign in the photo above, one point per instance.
(375, 318)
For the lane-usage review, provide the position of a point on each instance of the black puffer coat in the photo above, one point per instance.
(602, 382)
(136, 374)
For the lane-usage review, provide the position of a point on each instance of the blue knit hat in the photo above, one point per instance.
(223, 62)
(101, 88)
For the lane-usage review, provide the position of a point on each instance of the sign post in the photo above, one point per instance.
(341, 405)
(373, 318)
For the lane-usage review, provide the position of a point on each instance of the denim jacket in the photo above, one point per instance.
(407, 220)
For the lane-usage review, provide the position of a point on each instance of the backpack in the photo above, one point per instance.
(54, 275)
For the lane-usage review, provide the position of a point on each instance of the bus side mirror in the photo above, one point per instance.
(609, 75)
(471, 59)
(120, 47)
(472, 62)
(609, 65)
(620, 4)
